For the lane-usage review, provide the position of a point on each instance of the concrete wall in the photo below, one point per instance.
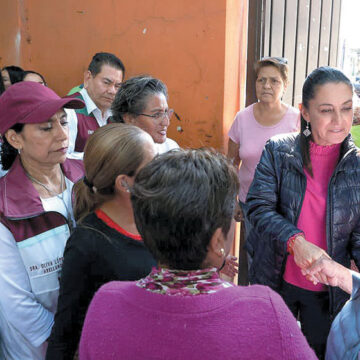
(197, 47)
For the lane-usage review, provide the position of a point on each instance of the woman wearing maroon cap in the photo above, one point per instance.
(35, 214)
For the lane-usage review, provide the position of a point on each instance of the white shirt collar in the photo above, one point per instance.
(92, 108)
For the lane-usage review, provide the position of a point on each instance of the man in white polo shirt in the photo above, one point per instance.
(101, 82)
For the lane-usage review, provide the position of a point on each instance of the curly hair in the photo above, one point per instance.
(132, 96)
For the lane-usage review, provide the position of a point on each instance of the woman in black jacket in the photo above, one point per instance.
(304, 203)
(106, 244)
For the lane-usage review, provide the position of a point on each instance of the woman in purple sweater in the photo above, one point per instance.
(184, 204)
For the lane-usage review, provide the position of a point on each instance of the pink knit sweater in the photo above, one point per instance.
(312, 220)
(127, 322)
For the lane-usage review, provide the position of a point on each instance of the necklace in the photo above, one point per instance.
(59, 196)
(51, 192)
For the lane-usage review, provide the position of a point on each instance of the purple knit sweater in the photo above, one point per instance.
(127, 322)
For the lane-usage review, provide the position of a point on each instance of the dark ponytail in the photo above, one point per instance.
(305, 146)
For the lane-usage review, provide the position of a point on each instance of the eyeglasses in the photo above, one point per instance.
(161, 115)
(280, 60)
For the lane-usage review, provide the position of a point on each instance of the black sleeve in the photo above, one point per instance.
(263, 198)
(74, 298)
(355, 245)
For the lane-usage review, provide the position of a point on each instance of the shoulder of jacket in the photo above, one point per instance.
(75, 163)
(283, 142)
(73, 169)
(86, 234)
(89, 223)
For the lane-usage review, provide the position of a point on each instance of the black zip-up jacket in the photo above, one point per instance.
(274, 204)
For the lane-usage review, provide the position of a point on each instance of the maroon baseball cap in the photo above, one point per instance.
(28, 102)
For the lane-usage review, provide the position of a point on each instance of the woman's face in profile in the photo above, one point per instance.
(46, 142)
(330, 113)
(6, 79)
(156, 105)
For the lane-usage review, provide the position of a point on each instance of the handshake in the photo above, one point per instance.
(318, 267)
(329, 272)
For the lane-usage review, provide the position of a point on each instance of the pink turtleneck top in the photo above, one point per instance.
(312, 219)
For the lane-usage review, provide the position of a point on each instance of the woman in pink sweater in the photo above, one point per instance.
(184, 204)
(304, 203)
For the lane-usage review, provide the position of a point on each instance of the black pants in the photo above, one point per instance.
(312, 309)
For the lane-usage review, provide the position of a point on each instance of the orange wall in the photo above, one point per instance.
(196, 47)
(9, 29)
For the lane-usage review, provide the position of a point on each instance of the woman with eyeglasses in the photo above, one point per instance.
(257, 123)
(142, 101)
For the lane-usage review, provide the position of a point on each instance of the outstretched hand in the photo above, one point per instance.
(306, 253)
(329, 272)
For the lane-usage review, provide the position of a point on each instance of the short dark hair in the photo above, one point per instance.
(132, 96)
(16, 73)
(320, 76)
(104, 58)
(179, 199)
(277, 62)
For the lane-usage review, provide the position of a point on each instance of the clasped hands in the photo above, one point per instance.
(317, 266)
(306, 255)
